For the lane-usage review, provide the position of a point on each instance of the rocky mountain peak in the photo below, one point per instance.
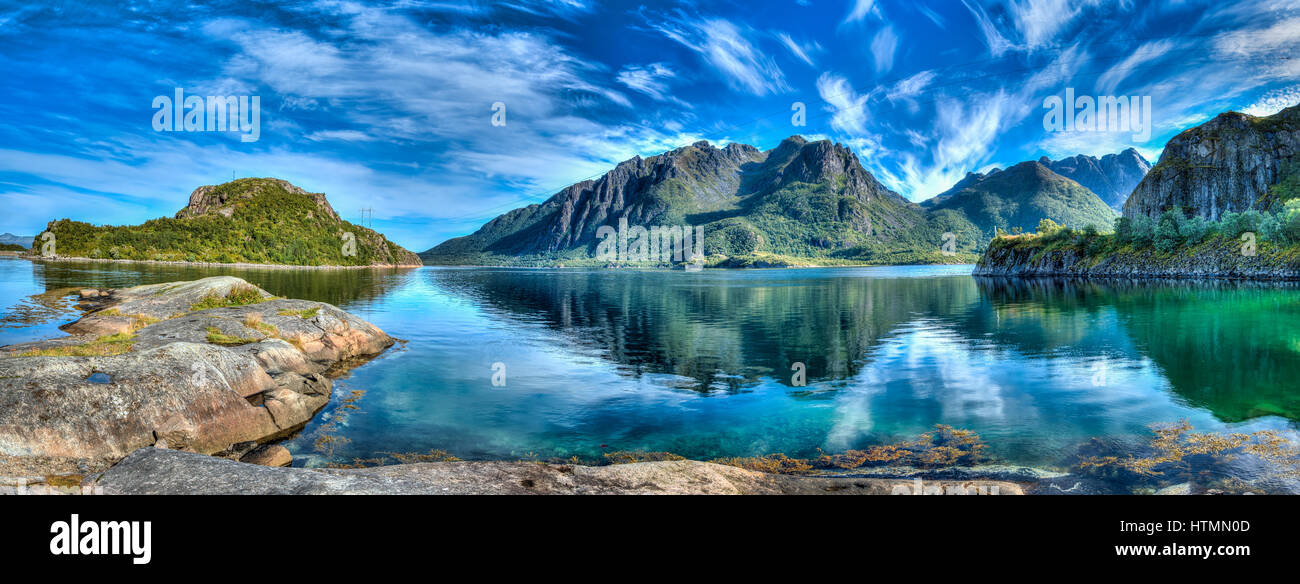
(221, 198)
(1112, 177)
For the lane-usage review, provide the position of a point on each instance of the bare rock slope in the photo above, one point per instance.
(153, 365)
(162, 472)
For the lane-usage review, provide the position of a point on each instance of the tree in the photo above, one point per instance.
(1047, 226)
(1167, 237)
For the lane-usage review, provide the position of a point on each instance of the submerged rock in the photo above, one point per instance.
(268, 455)
(158, 472)
(199, 381)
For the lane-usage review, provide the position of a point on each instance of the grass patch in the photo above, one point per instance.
(105, 346)
(628, 457)
(303, 314)
(238, 296)
(141, 320)
(254, 321)
(217, 337)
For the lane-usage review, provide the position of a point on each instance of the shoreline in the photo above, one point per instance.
(241, 265)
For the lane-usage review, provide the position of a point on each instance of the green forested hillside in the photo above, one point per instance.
(1017, 198)
(263, 221)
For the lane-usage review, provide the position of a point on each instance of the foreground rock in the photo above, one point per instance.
(205, 381)
(153, 471)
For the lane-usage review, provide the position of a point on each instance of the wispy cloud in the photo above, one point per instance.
(1146, 53)
(848, 109)
(931, 14)
(860, 10)
(883, 46)
(1041, 21)
(727, 48)
(799, 51)
(650, 79)
(993, 38)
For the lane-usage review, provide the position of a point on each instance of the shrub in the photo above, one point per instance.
(1124, 229)
(1195, 230)
(1285, 226)
(1232, 225)
(1143, 230)
(1167, 237)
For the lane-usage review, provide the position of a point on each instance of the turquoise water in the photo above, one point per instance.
(699, 364)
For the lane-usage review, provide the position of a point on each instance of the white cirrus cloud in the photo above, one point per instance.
(651, 79)
(727, 48)
(860, 10)
(883, 47)
(800, 51)
(848, 108)
(1146, 53)
(993, 38)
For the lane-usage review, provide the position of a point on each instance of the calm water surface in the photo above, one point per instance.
(700, 363)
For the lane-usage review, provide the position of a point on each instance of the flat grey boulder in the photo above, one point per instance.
(153, 471)
(198, 380)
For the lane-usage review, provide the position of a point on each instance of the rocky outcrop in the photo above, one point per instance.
(221, 199)
(1219, 259)
(198, 380)
(1112, 177)
(152, 471)
(1226, 164)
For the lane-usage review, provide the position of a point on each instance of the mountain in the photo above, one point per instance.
(1112, 177)
(799, 200)
(11, 239)
(252, 220)
(1228, 164)
(1021, 196)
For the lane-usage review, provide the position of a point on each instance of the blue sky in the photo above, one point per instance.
(389, 106)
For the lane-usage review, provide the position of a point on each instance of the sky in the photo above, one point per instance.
(390, 106)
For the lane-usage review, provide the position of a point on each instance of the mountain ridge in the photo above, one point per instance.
(806, 199)
(752, 201)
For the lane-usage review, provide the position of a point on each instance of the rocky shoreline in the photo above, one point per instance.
(1221, 259)
(241, 265)
(155, 471)
(212, 366)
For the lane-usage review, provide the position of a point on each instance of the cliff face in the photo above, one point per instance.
(737, 190)
(1226, 164)
(1112, 177)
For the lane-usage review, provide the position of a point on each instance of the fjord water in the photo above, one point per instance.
(700, 364)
